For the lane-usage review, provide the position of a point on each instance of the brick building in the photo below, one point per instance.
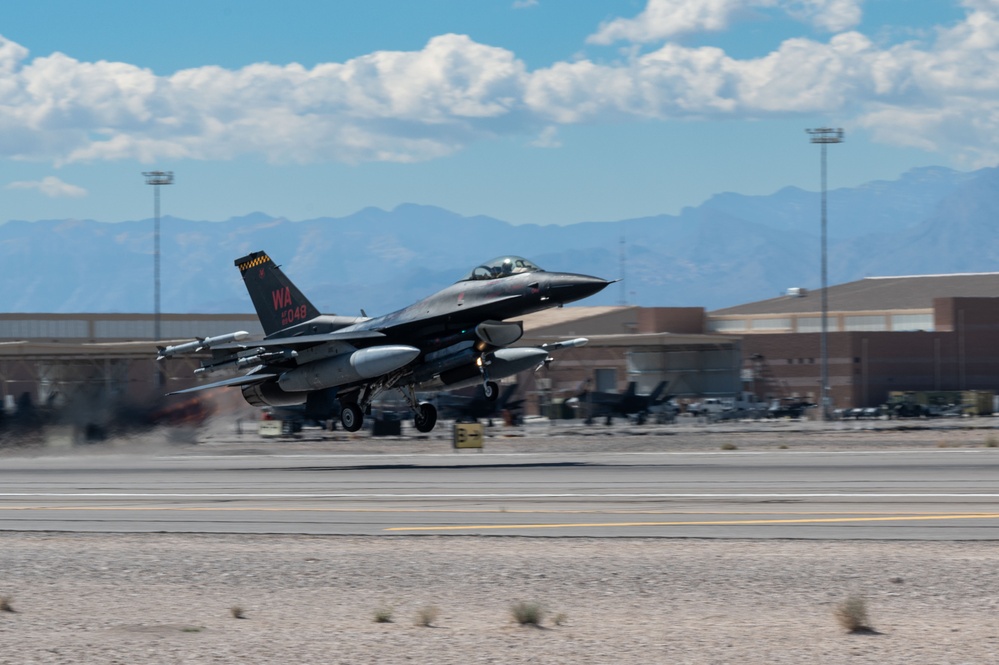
(916, 333)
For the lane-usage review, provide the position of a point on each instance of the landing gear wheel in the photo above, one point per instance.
(426, 417)
(351, 417)
(491, 390)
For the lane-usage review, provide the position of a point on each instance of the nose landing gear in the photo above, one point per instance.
(491, 390)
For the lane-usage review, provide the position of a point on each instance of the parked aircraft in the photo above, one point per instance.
(456, 337)
(628, 403)
(478, 406)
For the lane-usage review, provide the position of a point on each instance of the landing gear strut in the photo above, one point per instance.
(489, 388)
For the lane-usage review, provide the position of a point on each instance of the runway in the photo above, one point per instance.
(946, 494)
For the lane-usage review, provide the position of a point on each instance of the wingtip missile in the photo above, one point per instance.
(237, 336)
(569, 343)
(200, 344)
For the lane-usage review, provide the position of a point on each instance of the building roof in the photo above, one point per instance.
(669, 340)
(878, 294)
(560, 316)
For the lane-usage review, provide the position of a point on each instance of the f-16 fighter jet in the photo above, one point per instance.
(457, 337)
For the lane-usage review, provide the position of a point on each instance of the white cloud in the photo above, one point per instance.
(831, 15)
(51, 187)
(940, 94)
(399, 106)
(664, 19)
(548, 138)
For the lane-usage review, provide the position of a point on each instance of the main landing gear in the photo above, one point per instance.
(424, 413)
(351, 416)
(425, 417)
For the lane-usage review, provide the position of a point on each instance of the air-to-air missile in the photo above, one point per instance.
(200, 344)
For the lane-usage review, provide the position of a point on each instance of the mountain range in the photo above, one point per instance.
(729, 250)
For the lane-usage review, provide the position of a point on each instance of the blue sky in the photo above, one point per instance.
(540, 111)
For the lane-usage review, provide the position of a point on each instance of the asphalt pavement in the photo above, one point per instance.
(600, 488)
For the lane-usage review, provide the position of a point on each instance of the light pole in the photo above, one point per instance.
(824, 136)
(157, 179)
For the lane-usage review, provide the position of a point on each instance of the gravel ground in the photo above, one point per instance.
(159, 598)
(569, 436)
(166, 599)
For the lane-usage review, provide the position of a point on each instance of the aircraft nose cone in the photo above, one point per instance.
(566, 287)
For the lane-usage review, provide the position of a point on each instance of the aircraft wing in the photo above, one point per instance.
(302, 340)
(247, 380)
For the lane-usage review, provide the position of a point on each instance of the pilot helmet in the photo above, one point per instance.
(507, 266)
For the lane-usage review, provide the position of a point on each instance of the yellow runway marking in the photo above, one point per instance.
(800, 517)
(878, 514)
(813, 520)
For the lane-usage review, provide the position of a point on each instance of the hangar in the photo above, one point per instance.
(52, 358)
(907, 333)
(644, 345)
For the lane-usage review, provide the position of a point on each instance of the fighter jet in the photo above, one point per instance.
(595, 404)
(471, 408)
(454, 338)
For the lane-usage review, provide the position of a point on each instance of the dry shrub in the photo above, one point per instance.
(237, 612)
(6, 604)
(852, 615)
(527, 614)
(426, 616)
(383, 615)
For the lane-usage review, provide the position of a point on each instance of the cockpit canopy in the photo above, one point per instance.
(501, 266)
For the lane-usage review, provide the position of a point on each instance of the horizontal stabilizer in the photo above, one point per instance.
(247, 380)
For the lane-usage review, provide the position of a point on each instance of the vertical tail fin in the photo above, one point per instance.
(278, 302)
(658, 391)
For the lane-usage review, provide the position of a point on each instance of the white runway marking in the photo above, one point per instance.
(568, 495)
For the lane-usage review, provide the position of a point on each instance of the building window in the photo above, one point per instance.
(42, 328)
(869, 323)
(811, 324)
(606, 380)
(726, 325)
(123, 329)
(771, 324)
(912, 322)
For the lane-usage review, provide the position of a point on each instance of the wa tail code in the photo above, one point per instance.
(281, 298)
